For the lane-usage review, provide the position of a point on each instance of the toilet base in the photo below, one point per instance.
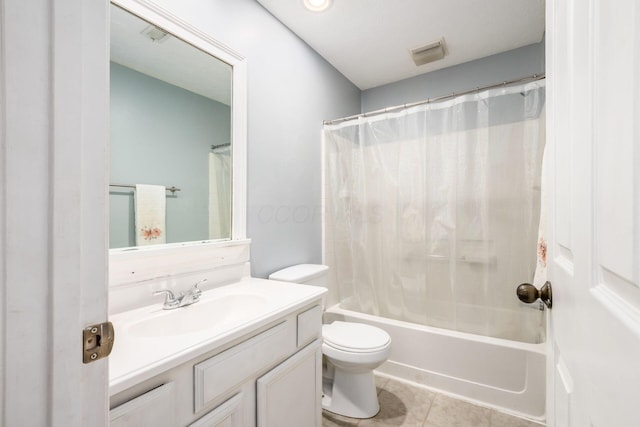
(351, 394)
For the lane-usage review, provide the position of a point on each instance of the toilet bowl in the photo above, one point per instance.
(351, 352)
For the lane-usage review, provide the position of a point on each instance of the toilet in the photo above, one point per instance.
(351, 351)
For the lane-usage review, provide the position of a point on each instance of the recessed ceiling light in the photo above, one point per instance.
(317, 5)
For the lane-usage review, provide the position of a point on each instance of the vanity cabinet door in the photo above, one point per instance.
(290, 394)
(155, 408)
(229, 414)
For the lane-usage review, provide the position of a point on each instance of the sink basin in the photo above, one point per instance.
(203, 315)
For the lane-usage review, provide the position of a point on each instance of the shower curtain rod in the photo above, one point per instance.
(531, 78)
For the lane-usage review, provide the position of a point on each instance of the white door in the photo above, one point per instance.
(53, 240)
(593, 110)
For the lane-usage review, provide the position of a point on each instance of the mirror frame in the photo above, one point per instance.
(145, 260)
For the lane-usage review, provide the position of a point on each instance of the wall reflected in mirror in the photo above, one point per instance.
(170, 119)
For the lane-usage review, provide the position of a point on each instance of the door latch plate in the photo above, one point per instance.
(97, 341)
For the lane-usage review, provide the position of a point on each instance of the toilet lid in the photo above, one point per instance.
(355, 337)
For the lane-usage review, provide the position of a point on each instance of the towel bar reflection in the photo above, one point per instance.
(172, 189)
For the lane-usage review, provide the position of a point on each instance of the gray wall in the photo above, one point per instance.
(504, 66)
(162, 134)
(291, 89)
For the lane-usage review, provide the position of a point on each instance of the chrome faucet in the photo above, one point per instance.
(192, 296)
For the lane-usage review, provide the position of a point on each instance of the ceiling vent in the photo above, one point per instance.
(154, 33)
(429, 52)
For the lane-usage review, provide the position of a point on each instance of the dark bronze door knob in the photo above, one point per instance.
(529, 294)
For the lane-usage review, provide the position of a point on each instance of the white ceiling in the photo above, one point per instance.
(369, 40)
(171, 60)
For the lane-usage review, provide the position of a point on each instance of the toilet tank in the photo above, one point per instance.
(306, 274)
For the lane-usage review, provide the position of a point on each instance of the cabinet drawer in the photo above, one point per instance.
(154, 408)
(227, 370)
(309, 325)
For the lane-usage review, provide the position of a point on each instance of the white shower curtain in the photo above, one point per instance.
(432, 211)
(220, 194)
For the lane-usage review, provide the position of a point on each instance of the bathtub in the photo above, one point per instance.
(506, 375)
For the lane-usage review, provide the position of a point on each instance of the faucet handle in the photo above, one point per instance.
(195, 290)
(169, 299)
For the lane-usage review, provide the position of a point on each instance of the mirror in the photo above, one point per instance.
(171, 137)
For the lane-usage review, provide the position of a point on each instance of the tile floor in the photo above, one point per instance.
(411, 406)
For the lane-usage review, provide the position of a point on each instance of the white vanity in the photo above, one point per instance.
(247, 354)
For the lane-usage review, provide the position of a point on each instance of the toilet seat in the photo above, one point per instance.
(355, 337)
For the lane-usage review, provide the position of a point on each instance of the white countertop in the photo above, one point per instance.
(136, 358)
